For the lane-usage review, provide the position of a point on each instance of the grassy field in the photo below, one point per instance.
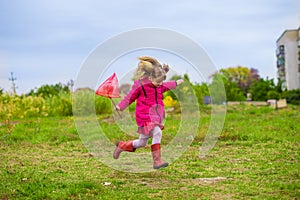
(256, 157)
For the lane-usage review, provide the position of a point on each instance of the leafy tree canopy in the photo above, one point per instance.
(50, 90)
(242, 76)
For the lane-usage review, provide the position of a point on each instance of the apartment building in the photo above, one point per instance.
(288, 58)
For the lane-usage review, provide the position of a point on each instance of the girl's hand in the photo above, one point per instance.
(179, 81)
(117, 108)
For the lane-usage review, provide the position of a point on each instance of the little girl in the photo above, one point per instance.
(147, 91)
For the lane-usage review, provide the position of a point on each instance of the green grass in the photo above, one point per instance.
(256, 157)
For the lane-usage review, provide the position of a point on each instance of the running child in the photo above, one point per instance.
(147, 91)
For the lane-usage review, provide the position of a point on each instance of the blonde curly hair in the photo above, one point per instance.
(149, 67)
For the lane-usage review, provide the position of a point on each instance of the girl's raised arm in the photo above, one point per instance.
(130, 97)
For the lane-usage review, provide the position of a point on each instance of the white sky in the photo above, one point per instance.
(46, 42)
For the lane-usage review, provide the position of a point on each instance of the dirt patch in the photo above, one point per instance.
(9, 123)
(109, 120)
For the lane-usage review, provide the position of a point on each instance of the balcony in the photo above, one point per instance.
(280, 62)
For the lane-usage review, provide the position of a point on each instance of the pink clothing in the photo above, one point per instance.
(149, 103)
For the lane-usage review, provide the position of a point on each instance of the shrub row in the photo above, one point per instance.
(18, 107)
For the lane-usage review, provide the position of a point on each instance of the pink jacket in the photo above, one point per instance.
(149, 100)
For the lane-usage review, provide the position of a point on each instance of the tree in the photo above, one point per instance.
(232, 91)
(279, 87)
(50, 90)
(185, 92)
(215, 87)
(263, 90)
(178, 93)
(242, 76)
(200, 91)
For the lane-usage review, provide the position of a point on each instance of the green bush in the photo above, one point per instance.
(59, 105)
(49, 90)
(292, 96)
(272, 94)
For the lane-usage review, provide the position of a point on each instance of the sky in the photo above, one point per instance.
(46, 42)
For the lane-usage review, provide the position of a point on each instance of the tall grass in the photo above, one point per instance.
(85, 102)
(59, 105)
(18, 107)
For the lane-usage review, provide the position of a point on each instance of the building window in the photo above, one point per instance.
(281, 49)
(280, 57)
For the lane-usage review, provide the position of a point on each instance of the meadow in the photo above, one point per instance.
(256, 157)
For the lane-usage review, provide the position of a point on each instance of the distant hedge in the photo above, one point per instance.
(292, 96)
